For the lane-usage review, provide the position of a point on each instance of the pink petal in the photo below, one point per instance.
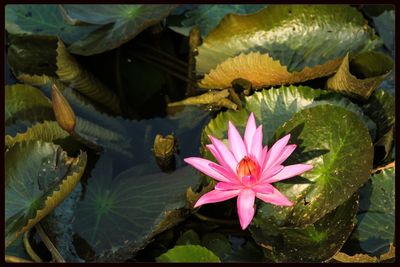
(216, 196)
(203, 165)
(263, 188)
(249, 132)
(276, 198)
(221, 160)
(224, 153)
(236, 143)
(263, 157)
(286, 152)
(224, 172)
(245, 207)
(256, 145)
(267, 173)
(228, 186)
(276, 151)
(289, 171)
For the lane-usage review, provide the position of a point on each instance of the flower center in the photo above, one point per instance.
(247, 167)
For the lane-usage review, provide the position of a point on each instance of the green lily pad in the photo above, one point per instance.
(48, 131)
(47, 59)
(218, 243)
(298, 36)
(120, 23)
(376, 216)
(17, 249)
(207, 17)
(134, 205)
(310, 243)
(385, 26)
(38, 177)
(24, 102)
(275, 106)
(372, 74)
(188, 253)
(42, 19)
(190, 237)
(381, 109)
(338, 145)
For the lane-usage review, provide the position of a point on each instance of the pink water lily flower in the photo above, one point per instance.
(247, 170)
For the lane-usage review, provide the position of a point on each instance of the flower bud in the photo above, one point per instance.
(63, 112)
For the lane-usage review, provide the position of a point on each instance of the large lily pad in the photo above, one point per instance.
(298, 36)
(275, 106)
(135, 206)
(188, 253)
(42, 20)
(381, 109)
(24, 102)
(339, 147)
(38, 177)
(120, 23)
(262, 70)
(310, 243)
(207, 17)
(376, 219)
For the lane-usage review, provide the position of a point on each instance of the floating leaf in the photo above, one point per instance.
(24, 102)
(217, 243)
(275, 106)
(189, 237)
(31, 57)
(376, 217)
(120, 23)
(58, 225)
(310, 243)
(207, 17)
(42, 19)
(188, 253)
(210, 98)
(48, 131)
(339, 147)
(70, 72)
(298, 36)
(135, 206)
(38, 178)
(387, 257)
(262, 70)
(345, 82)
(381, 109)
(17, 249)
(385, 25)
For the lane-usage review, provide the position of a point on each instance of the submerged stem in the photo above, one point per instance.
(214, 220)
(50, 246)
(29, 249)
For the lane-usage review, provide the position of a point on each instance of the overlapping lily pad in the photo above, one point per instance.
(376, 218)
(373, 68)
(207, 17)
(134, 206)
(329, 138)
(310, 243)
(188, 253)
(24, 102)
(42, 19)
(39, 176)
(381, 109)
(120, 23)
(275, 106)
(298, 36)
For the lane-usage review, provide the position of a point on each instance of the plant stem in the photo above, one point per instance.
(168, 56)
(50, 246)
(214, 220)
(29, 249)
(169, 71)
(13, 259)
